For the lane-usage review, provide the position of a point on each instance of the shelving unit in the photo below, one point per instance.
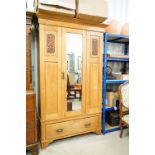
(111, 38)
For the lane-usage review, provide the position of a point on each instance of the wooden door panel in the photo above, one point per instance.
(94, 85)
(94, 72)
(50, 72)
(52, 84)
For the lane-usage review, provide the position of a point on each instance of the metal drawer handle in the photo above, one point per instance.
(87, 125)
(59, 130)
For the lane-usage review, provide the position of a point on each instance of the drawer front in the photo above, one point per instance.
(30, 135)
(30, 117)
(71, 127)
(89, 123)
(30, 102)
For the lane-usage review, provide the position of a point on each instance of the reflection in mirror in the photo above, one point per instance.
(74, 71)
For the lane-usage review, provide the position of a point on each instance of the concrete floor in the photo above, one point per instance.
(90, 144)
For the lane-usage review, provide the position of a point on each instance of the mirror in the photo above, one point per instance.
(74, 71)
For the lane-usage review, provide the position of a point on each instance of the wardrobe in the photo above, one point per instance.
(70, 75)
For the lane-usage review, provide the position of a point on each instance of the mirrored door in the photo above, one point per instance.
(74, 72)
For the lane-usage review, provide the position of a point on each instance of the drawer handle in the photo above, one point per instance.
(59, 130)
(87, 125)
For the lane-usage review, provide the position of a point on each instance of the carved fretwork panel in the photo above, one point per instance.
(94, 46)
(51, 36)
(94, 43)
(50, 43)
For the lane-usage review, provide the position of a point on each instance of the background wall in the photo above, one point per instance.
(118, 10)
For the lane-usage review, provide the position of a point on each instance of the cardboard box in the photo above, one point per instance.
(121, 76)
(66, 4)
(112, 97)
(92, 10)
(58, 7)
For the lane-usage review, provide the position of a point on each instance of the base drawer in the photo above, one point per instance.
(71, 127)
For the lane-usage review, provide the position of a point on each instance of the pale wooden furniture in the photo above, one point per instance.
(124, 106)
(56, 122)
(31, 115)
